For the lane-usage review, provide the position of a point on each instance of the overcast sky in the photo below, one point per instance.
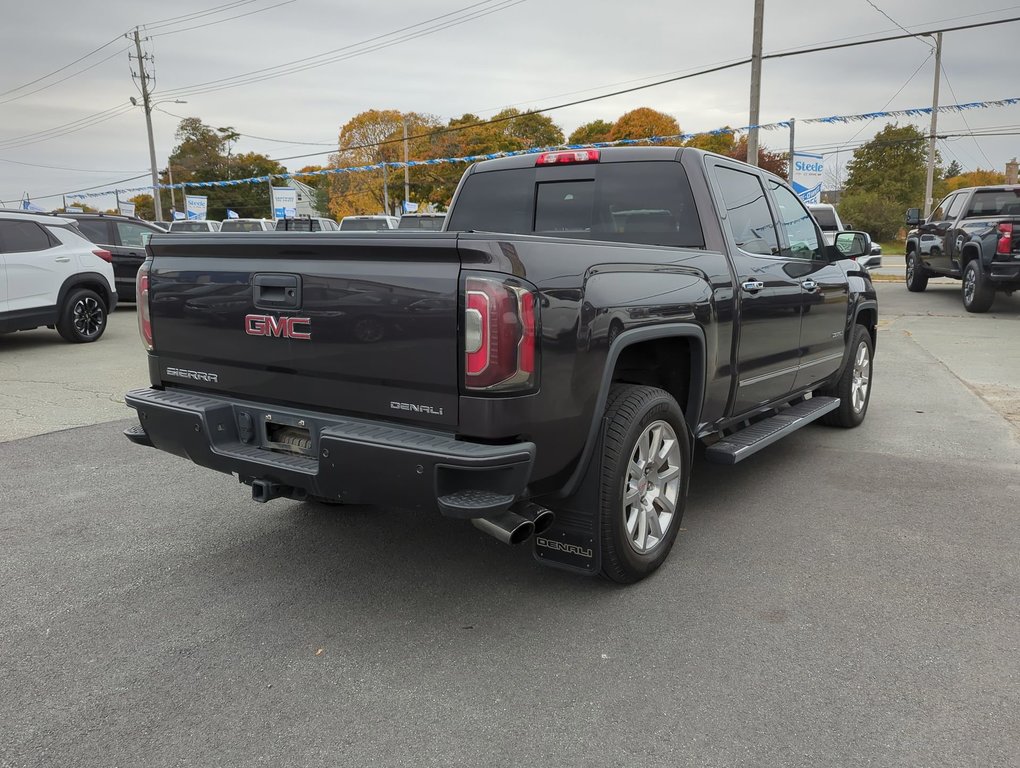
(524, 53)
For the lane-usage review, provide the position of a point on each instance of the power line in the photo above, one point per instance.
(197, 14)
(220, 21)
(57, 71)
(257, 138)
(66, 77)
(964, 117)
(58, 168)
(60, 130)
(312, 62)
(898, 24)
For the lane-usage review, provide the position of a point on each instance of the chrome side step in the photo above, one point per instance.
(761, 434)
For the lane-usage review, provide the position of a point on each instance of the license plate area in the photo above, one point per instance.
(288, 438)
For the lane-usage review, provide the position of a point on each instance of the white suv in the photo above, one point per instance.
(51, 275)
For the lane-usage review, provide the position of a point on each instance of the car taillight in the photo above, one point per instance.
(142, 300)
(569, 156)
(500, 325)
(1005, 245)
(104, 255)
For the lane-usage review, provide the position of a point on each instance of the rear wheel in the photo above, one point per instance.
(854, 387)
(917, 275)
(646, 459)
(83, 317)
(977, 294)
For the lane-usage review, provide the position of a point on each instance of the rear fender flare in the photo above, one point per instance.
(86, 279)
(695, 397)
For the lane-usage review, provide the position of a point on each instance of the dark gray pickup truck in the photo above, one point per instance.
(972, 235)
(544, 367)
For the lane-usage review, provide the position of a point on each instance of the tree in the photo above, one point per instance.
(722, 143)
(885, 177)
(976, 178)
(643, 123)
(773, 162)
(590, 133)
(954, 169)
(144, 207)
(204, 153)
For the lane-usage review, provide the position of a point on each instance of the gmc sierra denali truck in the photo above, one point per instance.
(972, 235)
(543, 367)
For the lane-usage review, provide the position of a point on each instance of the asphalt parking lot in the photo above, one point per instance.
(844, 598)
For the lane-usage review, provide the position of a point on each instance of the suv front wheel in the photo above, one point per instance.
(83, 316)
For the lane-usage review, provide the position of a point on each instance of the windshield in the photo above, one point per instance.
(642, 202)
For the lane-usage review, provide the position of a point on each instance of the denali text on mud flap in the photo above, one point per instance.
(416, 408)
(281, 327)
(559, 546)
(184, 373)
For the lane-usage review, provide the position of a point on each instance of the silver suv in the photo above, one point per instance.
(51, 275)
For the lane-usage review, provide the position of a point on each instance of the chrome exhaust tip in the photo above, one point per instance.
(508, 527)
(542, 518)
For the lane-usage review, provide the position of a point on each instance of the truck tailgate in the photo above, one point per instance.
(349, 323)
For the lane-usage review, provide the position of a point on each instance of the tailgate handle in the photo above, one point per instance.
(277, 291)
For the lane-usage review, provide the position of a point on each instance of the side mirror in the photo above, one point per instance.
(852, 245)
(913, 216)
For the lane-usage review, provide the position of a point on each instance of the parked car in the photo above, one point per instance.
(432, 222)
(829, 222)
(124, 237)
(194, 225)
(247, 225)
(51, 275)
(368, 223)
(306, 224)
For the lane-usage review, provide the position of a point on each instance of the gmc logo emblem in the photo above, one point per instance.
(280, 327)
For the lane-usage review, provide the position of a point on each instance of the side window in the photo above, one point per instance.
(801, 233)
(938, 213)
(95, 230)
(747, 212)
(955, 207)
(23, 237)
(131, 234)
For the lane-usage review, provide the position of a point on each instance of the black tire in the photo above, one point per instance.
(852, 411)
(83, 317)
(917, 275)
(978, 295)
(633, 413)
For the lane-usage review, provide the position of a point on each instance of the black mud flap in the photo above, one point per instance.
(573, 542)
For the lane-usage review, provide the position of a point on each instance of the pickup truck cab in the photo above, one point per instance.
(546, 365)
(973, 235)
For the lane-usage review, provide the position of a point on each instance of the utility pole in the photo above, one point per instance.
(930, 179)
(147, 106)
(407, 184)
(752, 134)
(173, 200)
(789, 170)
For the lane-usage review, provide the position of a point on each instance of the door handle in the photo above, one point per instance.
(753, 286)
(809, 284)
(63, 259)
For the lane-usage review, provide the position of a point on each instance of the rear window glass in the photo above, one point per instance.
(363, 225)
(23, 237)
(431, 223)
(826, 219)
(241, 226)
(189, 226)
(644, 202)
(995, 202)
(298, 225)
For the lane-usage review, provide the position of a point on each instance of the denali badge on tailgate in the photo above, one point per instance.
(281, 327)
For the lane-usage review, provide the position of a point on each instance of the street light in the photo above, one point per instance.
(148, 106)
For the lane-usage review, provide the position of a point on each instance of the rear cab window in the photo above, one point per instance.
(644, 202)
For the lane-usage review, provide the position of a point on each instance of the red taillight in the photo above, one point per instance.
(499, 336)
(1005, 245)
(569, 156)
(142, 301)
(104, 255)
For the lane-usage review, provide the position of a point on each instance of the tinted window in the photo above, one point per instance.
(939, 211)
(642, 202)
(363, 225)
(22, 237)
(826, 219)
(955, 207)
(95, 230)
(189, 226)
(131, 234)
(995, 202)
(797, 223)
(748, 215)
(432, 223)
(241, 225)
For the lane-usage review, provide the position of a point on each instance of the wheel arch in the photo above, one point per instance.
(623, 364)
(91, 280)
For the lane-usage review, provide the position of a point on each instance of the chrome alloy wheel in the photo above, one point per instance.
(87, 317)
(969, 286)
(652, 487)
(861, 378)
(911, 266)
